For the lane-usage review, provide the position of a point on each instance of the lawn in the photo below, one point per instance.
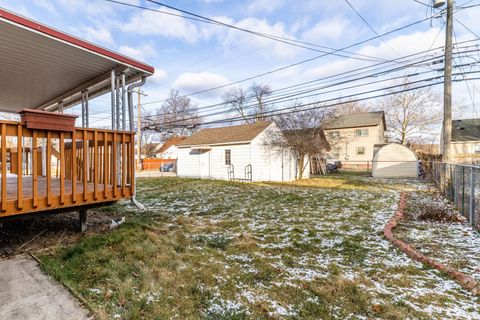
(223, 250)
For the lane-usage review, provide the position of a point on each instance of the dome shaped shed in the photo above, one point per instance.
(394, 161)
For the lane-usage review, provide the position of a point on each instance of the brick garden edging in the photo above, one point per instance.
(464, 280)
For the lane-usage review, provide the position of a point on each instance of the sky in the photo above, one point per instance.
(191, 56)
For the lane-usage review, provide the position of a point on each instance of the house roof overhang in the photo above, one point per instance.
(42, 66)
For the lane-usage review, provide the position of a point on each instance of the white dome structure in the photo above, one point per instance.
(394, 161)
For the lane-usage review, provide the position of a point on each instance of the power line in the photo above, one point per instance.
(292, 42)
(297, 108)
(467, 28)
(266, 113)
(426, 5)
(261, 34)
(359, 71)
(331, 105)
(298, 63)
(370, 26)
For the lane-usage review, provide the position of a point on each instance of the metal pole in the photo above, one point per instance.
(117, 104)
(139, 129)
(124, 105)
(83, 109)
(87, 113)
(112, 97)
(447, 86)
(472, 195)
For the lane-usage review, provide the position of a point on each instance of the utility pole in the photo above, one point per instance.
(447, 86)
(139, 131)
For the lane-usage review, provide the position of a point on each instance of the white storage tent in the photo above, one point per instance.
(394, 161)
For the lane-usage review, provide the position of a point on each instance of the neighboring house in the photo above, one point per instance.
(352, 137)
(237, 152)
(169, 150)
(465, 141)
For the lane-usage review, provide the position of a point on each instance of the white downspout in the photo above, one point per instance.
(140, 206)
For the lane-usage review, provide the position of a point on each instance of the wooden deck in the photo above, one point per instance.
(38, 168)
(12, 187)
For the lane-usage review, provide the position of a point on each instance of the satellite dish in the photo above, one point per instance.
(438, 3)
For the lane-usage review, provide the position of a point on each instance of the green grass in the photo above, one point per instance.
(225, 250)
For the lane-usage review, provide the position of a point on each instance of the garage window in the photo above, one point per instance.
(228, 157)
(360, 150)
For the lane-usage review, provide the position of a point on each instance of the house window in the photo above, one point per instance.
(477, 147)
(361, 133)
(334, 135)
(228, 157)
(360, 150)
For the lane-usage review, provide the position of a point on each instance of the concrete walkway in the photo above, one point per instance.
(28, 293)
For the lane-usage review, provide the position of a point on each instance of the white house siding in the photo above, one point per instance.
(395, 161)
(240, 158)
(274, 163)
(271, 163)
(268, 163)
(188, 163)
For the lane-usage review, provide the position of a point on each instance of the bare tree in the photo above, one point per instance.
(348, 107)
(177, 116)
(236, 101)
(240, 102)
(260, 92)
(412, 114)
(302, 134)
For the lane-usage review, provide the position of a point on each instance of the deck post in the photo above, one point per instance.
(82, 216)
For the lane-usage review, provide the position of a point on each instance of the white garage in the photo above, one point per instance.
(237, 153)
(394, 160)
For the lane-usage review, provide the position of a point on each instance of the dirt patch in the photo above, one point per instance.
(40, 233)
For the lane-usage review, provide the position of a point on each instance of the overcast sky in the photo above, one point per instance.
(191, 56)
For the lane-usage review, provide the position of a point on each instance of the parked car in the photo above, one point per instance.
(333, 164)
(167, 167)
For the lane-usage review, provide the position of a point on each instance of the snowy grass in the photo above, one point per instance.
(221, 250)
(452, 243)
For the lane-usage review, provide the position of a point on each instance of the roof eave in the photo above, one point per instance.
(33, 26)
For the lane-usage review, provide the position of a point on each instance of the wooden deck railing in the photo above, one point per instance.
(45, 170)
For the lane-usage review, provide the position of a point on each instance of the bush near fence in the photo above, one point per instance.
(461, 185)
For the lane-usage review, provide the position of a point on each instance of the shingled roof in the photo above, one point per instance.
(353, 120)
(173, 141)
(225, 135)
(466, 130)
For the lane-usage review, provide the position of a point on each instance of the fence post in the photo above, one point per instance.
(472, 195)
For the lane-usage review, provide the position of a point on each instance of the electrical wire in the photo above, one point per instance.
(352, 73)
(303, 61)
(370, 26)
(333, 99)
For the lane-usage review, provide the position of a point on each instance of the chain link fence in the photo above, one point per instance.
(461, 185)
